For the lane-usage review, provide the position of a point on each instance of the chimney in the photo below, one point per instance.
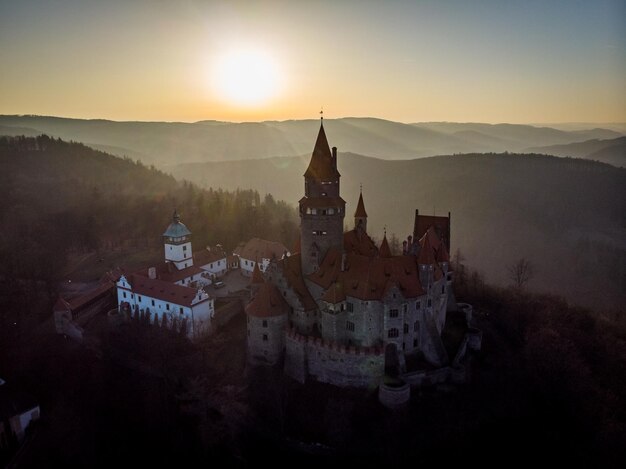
(335, 157)
(152, 273)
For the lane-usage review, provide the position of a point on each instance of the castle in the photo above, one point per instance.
(345, 311)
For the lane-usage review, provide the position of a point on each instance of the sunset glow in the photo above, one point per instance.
(245, 77)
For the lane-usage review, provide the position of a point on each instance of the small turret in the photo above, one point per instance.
(384, 250)
(360, 215)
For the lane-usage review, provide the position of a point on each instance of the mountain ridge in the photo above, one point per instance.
(163, 143)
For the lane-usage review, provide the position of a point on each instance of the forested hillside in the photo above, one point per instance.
(62, 200)
(568, 216)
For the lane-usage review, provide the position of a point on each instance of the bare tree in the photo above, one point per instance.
(521, 272)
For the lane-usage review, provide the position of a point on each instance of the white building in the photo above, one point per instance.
(261, 251)
(212, 260)
(166, 302)
(177, 240)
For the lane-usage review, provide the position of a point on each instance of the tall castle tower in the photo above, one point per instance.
(321, 209)
(177, 241)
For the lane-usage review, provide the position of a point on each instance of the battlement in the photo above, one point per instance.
(332, 346)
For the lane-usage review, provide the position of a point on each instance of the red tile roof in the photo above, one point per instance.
(322, 202)
(208, 255)
(322, 167)
(168, 272)
(267, 302)
(258, 248)
(162, 290)
(359, 243)
(335, 294)
(61, 305)
(442, 253)
(360, 207)
(384, 250)
(427, 251)
(369, 278)
(441, 226)
(257, 276)
(292, 271)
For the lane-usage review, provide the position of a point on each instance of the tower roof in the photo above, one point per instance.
(384, 250)
(257, 276)
(176, 229)
(360, 208)
(267, 302)
(427, 251)
(322, 165)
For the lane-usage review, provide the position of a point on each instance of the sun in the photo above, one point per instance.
(246, 77)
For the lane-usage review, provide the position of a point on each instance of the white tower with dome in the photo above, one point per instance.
(177, 240)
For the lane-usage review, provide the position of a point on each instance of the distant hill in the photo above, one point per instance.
(163, 143)
(567, 215)
(612, 151)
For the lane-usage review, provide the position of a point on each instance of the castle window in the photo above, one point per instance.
(264, 337)
(167, 306)
(313, 211)
(181, 310)
(124, 294)
(152, 302)
(185, 247)
(416, 326)
(350, 326)
(405, 308)
(393, 333)
(331, 211)
(406, 328)
(393, 313)
(264, 323)
(324, 194)
(430, 303)
(350, 307)
(418, 304)
(443, 289)
(414, 342)
(139, 297)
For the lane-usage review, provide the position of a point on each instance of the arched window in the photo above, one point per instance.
(393, 333)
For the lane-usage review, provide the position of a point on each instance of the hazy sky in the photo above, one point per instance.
(488, 61)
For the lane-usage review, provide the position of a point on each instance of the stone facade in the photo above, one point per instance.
(266, 339)
(353, 312)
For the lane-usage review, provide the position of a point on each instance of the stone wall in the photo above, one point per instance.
(394, 397)
(266, 339)
(331, 363)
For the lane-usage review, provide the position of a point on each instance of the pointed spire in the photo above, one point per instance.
(257, 276)
(321, 165)
(360, 207)
(384, 250)
(427, 252)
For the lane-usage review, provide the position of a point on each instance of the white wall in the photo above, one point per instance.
(179, 254)
(199, 315)
(217, 267)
